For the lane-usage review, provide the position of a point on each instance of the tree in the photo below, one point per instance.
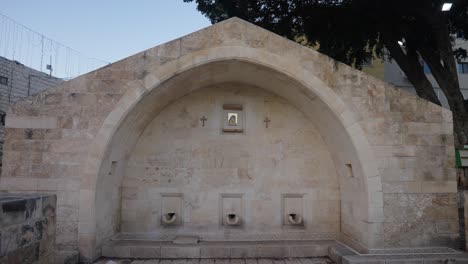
(351, 31)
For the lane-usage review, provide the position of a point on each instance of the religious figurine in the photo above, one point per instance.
(232, 120)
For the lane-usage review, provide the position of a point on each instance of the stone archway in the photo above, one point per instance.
(99, 197)
(73, 139)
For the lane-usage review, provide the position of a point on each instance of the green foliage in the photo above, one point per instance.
(348, 30)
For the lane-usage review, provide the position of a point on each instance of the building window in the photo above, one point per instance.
(3, 80)
(463, 67)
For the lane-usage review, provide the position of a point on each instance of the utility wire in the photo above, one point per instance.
(12, 32)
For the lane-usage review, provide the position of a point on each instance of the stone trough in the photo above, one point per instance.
(143, 247)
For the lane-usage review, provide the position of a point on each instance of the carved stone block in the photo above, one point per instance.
(172, 209)
(292, 210)
(231, 210)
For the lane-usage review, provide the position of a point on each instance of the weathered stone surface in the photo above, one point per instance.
(30, 122)
(407, 258)
(290, 155)
(27, 228)
(337, 252)
(217, 261)
(147, 249)
(379, 146)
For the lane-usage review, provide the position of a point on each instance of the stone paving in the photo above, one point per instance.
(322, 260)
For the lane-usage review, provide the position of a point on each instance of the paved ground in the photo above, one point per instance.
(217, 261)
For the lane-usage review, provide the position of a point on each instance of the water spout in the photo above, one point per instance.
(169, 218)
(295, 219)
(232, 219)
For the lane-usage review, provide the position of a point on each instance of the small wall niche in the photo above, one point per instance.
(172, 212)
(231, 208)
(292, 210)
(233, 118)
(113, 167)
(349, 170)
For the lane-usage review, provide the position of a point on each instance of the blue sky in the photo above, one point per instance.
(105, 29)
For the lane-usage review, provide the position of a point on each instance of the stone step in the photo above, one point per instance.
(217, 261)
(338, 251)
(342, 254)
(449, 258)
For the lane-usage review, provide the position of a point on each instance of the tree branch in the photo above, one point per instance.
(410, 65)
(448, 83)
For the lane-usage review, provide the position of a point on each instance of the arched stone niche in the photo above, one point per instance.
(342, 135)
(392, 152)
(202, 173)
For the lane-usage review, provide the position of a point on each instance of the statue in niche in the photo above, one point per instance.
(233, 118)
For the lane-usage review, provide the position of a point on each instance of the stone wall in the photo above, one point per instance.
(22, 82)
(413, 145)
(265, 168)
(67, 139)
(27, 228)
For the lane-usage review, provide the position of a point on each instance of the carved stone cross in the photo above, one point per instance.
(267, 121)
(203, 119)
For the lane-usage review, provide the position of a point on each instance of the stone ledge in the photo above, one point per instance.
(407, 259)
(216, 249)
(337, 252)
(405, 251)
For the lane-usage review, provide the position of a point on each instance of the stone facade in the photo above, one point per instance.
(262, 166)
(21, 82)
(392, 152)
(27, 229)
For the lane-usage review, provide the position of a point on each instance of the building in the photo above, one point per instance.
(18, 82)
(231, 141)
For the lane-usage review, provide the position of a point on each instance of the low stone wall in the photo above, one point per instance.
(27, 228)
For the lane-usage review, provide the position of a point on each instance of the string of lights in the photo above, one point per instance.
(31, 48)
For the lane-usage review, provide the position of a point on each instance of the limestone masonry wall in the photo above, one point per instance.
(413, 145)
(176, 155)
(402, 192)
(21, 82)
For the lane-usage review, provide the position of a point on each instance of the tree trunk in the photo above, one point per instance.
(410, 65)
(441, 61)
(447, 78)
(460, 127)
